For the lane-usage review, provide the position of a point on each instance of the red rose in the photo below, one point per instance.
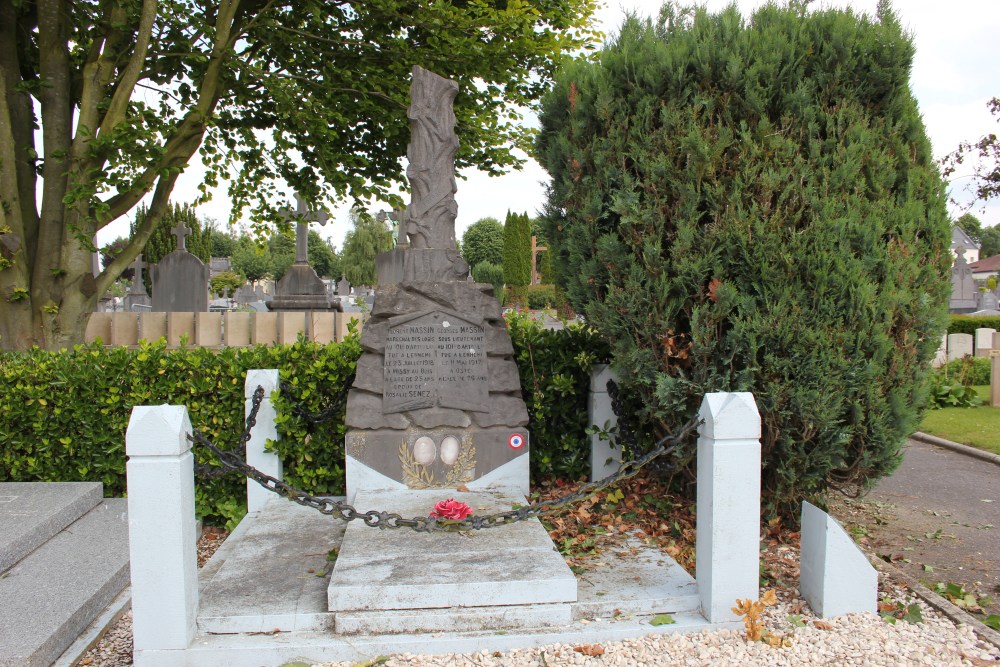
(451, 509)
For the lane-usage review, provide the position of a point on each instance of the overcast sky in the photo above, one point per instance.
(955, 73)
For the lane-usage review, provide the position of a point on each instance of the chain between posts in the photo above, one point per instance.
(234, 460)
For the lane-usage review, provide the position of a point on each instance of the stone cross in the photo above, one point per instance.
(535, 249)
(430, 219)
(181, 231)
(138, 287)
(303, 216)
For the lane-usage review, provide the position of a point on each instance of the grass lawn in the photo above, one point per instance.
(978, 427)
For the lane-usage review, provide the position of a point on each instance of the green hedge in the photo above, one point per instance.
(968, 372)
(63, 415)
(555, 367)
(968, 324)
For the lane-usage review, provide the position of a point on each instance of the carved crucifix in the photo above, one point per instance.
(303, 216)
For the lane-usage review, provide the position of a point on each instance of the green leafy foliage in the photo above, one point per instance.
(968, 371)
(366, 241)
(226, 282)
(968, 324)
(63, 415)
(555, 370)
(752, 205)
(951, 393)
(483, 242)
(488, 272)
(299, 95)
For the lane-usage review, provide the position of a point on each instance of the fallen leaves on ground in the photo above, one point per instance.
(636, 507)
(593, 650)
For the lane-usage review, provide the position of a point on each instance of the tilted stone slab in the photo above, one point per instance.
(50, 596)
(32, 512)
(394, 569)
(836, 577)
(262, 580)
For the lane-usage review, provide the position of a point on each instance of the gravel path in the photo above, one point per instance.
(854, 640)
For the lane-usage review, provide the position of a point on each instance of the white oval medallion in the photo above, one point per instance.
(450, 447)
(424, 451)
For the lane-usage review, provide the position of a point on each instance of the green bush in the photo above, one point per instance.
(488, 272)
(542, 296)
(969, 371)
(967, 324)
(483, 242)
(555, 366)
(753, 205)
(951, 393)
(63, 414)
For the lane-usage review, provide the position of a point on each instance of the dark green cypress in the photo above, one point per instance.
(517, 250)
(752, 205)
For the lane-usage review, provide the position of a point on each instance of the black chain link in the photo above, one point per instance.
(230, 459)
(327, 413)
(206, 471)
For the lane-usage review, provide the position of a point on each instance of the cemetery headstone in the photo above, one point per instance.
(988, 301)
(301, 288)
(436, 401)
(984, 341)
(137, 298)
(343, 287)
(964, 295)
(245, 294)
(180, 280)
(960, 345)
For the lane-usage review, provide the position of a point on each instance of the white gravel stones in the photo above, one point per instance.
(858, 639)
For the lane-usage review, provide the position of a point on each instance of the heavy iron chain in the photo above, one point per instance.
(232, 460)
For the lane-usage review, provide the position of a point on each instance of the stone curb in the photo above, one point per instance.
(954, 613)
(956, 447)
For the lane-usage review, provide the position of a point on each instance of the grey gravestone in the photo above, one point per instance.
(343, 287)
(301, 288)
(180, 280)
(964, 295)
(245, 294)
(989, 301)
(436, 400)
(137, 299)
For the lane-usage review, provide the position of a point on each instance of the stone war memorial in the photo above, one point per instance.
(437, 400)
(437, 428)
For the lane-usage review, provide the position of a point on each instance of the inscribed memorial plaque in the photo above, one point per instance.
(436, 359)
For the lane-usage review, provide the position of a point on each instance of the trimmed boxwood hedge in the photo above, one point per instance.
(63, 415)
(968, 324)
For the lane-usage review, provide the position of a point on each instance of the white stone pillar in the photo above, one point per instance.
(603, 459)
(162, 529)
(267, 462)
(728, 496)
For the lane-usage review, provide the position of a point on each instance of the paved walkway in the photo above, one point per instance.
(938, 519)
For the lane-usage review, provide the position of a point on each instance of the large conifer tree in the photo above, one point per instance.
(752, 205)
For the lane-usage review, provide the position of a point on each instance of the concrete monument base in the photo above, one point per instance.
(380, 570)
(263, 596)
(302, 289)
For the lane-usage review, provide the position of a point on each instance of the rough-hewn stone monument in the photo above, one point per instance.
(436, 402)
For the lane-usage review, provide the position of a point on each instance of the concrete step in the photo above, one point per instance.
(53, 593)
(32, 512)
(402, 569)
